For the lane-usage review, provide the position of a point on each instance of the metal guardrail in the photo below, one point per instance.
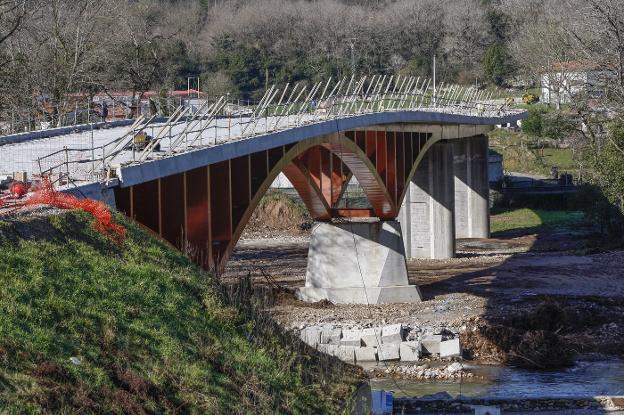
(279, 109)
(565, 181)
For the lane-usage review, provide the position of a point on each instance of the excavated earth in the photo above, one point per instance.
(522, 299)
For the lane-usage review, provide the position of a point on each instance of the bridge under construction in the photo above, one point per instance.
(195, 176)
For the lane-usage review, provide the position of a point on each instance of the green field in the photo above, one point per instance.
(519, 154)
(534, 219)
(91, 326)
(560, 157)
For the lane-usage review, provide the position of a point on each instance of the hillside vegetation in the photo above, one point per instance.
(87, 325)
(278, 213)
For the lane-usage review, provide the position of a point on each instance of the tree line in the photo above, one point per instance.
(53, 48)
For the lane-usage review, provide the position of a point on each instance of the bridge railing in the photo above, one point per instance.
(220, 120)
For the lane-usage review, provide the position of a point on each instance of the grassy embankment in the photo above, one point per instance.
(503, 220)
(518, 156)
(152, 333)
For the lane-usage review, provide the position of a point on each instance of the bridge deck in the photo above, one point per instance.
(23, 156)
(85, 149)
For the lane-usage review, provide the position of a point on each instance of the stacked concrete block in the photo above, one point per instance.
(331, 335)
(450, 348)
(351, 338)
(325, 348)
(431, 344)
(311, 336)
(392, 334)
(366, 354)
(371, 337)
(386, 343)
(409, 351)
(344, 353)
(388, 351)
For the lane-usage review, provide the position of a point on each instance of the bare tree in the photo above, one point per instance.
(139, 47)
(12, 15)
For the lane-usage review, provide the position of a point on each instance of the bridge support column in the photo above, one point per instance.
(357, 263)
(470, 165)
(427, 214)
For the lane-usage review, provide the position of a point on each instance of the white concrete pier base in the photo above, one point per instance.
(357, 263)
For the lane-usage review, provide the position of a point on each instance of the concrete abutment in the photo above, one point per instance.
(357, 263)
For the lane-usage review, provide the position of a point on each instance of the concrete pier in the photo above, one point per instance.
(357, 263)
(470, 166)
(427, 214)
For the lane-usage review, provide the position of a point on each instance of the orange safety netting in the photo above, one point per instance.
(103, 218)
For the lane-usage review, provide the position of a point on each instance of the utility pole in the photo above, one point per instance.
(434, 80)
(352, 44)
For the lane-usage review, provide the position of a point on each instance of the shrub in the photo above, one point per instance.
(533, 124)
(530, 99)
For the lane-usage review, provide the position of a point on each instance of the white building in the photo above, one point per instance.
(565, 80)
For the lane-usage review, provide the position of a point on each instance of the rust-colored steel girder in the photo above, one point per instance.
(204, 211)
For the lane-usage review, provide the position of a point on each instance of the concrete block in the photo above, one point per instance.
(331, 335)
(322, 348)
(392, 333)
(371, 337)
(388, 351)
(450, 348)
(366, 354)
(345, 353)
(431, 344)
(409, 351)
(351, 338)
(311, 336)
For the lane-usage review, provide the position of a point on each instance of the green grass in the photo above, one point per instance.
(154, 334)
(516, 152)
(534, 219)
(519, 156)
(560, 157)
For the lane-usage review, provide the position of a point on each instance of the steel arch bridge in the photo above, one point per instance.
(418, 153)
(206, 205)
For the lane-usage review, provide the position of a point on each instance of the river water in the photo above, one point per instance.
(586, 379)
